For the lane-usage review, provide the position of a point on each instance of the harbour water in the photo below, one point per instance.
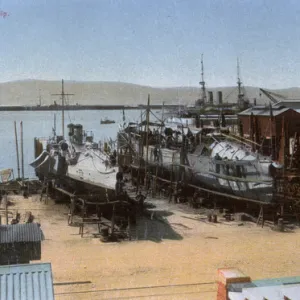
(40, 124)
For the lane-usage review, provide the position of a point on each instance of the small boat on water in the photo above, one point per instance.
(107, 121)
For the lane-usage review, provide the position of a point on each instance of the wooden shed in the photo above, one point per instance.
(274, 129)
(20, 243)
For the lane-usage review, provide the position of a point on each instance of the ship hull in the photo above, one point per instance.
(197, 169)
(87, 176)
(247, 190)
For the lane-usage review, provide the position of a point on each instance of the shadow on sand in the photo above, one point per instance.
(154, 226)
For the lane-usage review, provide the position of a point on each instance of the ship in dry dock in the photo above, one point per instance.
(78, 163)
(206, 159)
(247, 163)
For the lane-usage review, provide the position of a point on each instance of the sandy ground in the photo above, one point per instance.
(174, 256)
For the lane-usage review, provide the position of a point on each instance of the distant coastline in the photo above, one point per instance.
(78, 107)
(27, 95)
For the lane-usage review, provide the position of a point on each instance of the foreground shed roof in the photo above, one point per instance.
(28, 281)
(17, 233)
(274, 288)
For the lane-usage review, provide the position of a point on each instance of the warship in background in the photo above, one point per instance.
(208, 108)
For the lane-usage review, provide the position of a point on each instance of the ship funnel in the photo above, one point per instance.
(210, 97)
(220, 97)
(71, 129)
(77, 137)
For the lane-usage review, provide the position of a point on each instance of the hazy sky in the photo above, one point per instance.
(152, 42)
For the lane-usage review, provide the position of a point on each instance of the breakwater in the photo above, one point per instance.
(78, 107)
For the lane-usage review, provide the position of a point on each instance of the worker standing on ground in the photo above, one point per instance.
(148, 180)
(141, 198)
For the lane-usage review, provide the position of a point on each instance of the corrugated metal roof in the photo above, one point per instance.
(268, 292)
(274, 288)
(264, 111)
(30, 232)
(237, 287)
(276, 292)
(291, 292)
(236, 296)
(291, 103)
(30, 281)
(277, 281)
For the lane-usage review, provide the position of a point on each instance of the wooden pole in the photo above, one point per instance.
(140, 155)
(251, 128)
(17, 149)
(22, 152)
(182, 156)
(63, 108)
(129, 226)
(271, 133)
(171, 178)
(154, 188)
(113, 220)
(147, 136)
(159, 158)
(54, 125)
(6, 212)
(142, 142)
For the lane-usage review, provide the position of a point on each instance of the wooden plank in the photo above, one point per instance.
(64, 191)
(221, 194)
(230, 196)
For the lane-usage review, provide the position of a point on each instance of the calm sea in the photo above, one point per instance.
(40, 124)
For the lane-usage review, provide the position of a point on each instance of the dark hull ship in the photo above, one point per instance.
(107, 121)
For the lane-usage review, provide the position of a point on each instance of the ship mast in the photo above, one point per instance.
(62, 94)
(202, 82)
(239, 83)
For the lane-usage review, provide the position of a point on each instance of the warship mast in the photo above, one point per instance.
(202, 100)
(202, 82)
(239, 83)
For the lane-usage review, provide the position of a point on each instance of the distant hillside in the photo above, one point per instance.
(27, 93)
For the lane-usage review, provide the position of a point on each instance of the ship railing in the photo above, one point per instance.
(231, 162)
(235, 178)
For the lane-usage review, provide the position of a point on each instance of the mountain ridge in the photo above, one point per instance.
(26, 92)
